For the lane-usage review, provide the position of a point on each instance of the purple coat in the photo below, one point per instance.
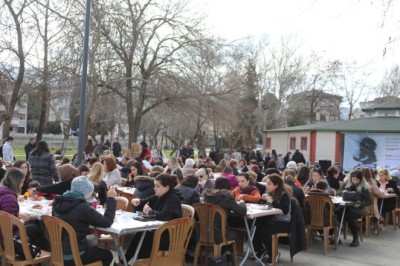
(8, 203)
(232, 179)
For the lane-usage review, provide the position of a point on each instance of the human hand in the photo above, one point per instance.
(267, 198)
(111, 193)
(146, 209)
(390, 190)
(135, 202)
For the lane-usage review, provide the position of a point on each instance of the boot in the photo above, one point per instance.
(355, 242)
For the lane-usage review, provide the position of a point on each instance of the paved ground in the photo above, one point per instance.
(377, 250)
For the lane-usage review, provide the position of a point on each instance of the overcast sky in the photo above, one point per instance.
(347, 30)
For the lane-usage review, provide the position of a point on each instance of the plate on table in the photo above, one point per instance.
(260, 207)
(145, 218)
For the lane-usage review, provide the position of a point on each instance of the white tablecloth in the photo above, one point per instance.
(27, 206)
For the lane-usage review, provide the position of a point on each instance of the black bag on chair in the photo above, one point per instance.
(350, 196)
(19, 251)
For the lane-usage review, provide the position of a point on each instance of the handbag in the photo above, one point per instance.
(19, 251)
(349, 195)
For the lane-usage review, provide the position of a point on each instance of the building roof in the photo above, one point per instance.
(316, 93)
(384, 106)
(364, 125)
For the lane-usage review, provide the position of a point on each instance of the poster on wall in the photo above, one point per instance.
(371, 150)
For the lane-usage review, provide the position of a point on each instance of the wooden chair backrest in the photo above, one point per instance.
(316, 205)
(207, 213)
(122, 203)
(7, 223)
(187, 211)
(55, 228)
(179, 231)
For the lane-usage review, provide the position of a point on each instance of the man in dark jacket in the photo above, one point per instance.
(29, 147)
(73, 208)
(298, 157)
(116, 148)
(188, 190)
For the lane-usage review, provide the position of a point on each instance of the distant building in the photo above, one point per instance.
(19, 119)
(314, 106)
(341, 141)
(381, 107)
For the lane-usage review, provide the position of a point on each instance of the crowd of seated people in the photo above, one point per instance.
(159, 189)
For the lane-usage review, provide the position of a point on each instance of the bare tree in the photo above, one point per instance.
(145, 37)
(391, 83)
(350, 81)
(13, 24)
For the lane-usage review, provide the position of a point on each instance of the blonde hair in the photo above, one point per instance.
(253, 177)
(96, 173)
(385, 172)
(288, 174)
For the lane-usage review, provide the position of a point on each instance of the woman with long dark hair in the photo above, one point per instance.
(278, 196)
(10, 189)
(24, 166)
(43, 164)
(165, 205)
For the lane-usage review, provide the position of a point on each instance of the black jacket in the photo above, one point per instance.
(363, 197)
(390, 203)
(165, 208)
(189, 195)
(57, 188)
(75, 210)
(298, 157)
(223, 198)
(298, 193)
(297, 239)
(101, 190)
(144, 187)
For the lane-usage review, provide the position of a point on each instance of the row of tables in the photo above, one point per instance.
(125, 224)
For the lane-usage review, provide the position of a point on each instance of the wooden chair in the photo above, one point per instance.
(122, 203)
(179, 231)
(207, 214)
(123, 181)
(55, 227)
(106, 239)
(7, 223)
(187, 211)
(368, 217)
(396, 215)
(316, 205)
(360, 224)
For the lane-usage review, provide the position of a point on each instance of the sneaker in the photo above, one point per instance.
(278, 255)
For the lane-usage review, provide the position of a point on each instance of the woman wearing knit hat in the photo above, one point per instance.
(73, 208)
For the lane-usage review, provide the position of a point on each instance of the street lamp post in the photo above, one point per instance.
(83, 84)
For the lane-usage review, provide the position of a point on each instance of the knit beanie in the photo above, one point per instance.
(83, 185)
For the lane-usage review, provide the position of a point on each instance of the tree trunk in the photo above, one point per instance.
(45, 86)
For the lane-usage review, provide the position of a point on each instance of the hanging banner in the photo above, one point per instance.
(371, 150)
